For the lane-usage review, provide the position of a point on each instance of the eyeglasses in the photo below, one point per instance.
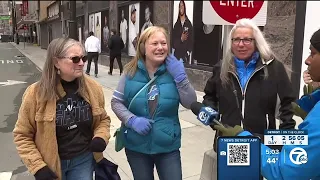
(245, 41)
(76, 59)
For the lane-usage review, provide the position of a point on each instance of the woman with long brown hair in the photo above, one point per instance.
(62, 125)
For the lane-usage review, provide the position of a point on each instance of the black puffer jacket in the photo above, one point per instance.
(257, 103)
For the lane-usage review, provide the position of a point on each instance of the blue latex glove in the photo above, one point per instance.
(175, 68)
(307, 102)
(140, 124)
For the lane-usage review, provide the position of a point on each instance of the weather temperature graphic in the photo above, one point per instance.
(292, 138)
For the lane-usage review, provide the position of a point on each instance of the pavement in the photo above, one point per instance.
(196, 138)
(16, 73)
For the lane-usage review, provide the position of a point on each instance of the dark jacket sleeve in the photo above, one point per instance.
(210, 98)
(121, 43)
(110, 43)
(190, 36)
(286, 95)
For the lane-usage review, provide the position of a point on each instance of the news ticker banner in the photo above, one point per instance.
(239, 157)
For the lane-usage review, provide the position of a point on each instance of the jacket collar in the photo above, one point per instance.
(252, 63)
(161, 69)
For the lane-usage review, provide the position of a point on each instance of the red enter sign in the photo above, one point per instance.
(231, 11)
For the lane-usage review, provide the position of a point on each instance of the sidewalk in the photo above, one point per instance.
(196, 138)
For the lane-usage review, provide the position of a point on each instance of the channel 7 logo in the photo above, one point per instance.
(298, 156)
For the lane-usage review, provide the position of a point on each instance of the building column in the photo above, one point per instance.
(163, 14)
(38, 33)
(113, 15)
(86, 20)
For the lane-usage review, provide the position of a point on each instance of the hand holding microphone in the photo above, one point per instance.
(208, 116)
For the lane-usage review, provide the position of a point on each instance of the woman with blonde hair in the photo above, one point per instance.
(246, 84)
(62, 125)
(147, 102)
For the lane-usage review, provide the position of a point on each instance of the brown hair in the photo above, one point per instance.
(48, 82)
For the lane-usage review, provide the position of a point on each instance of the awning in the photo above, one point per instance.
(23, 22)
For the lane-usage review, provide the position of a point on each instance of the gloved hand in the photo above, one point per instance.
(175, 68)
(97, 145)
(226, 130)
(140, 124)
(45, 173)
(308, 101)
(298, 111)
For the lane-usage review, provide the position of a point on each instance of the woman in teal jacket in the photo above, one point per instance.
(150, 124)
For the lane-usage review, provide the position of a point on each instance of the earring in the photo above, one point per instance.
(58, 71)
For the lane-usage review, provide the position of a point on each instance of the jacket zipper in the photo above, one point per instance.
(245, 89)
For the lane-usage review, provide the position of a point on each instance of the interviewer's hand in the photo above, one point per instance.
(227, 130)
(298, 111)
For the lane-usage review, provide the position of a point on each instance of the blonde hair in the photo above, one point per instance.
(131, 67)
(261, 44)
(48, 82)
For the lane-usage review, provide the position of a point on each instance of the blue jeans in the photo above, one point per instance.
(80, 167)
(168, 165)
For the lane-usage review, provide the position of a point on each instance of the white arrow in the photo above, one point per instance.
(11, 82)
(5, 175)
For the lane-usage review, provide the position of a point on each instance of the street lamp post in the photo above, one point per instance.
(14, 20)
(73, 21)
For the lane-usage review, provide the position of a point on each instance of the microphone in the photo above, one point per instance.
(206, 115)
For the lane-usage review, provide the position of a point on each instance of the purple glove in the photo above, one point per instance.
(140, 124)
(175, 68)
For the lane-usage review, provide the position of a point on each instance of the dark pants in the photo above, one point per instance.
(118, 57)
(92, 56)
(168, 165)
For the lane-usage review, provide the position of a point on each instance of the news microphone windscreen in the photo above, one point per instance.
(195, 107)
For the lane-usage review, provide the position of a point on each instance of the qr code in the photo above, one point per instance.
(238, 154)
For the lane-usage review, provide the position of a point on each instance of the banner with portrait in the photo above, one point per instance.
(91, 23)
(134, 16)
(97, 29)
(123, 19)
(207, 49)
(105, 35)
(182, 32)
(146, 15)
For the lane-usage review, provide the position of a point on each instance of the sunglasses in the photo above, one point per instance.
(76, 59)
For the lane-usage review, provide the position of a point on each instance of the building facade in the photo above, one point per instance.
(204, 47)
(4, 18)
(27, 17)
